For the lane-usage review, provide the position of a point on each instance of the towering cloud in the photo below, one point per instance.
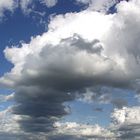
(80, 51)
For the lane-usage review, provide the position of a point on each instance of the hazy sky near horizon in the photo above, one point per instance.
(69, 69)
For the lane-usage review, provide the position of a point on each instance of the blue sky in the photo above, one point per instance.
(13, 25)
(71, 63)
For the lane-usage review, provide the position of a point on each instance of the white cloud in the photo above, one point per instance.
(10, 128)
(80, 50)
(27, 6)
(97, 94)
(49, 3)
(68, 26)
(137, 97)
(83, 130)
(127, 123)
(9, 122)
(24, 4)
(99, 5)
(6, 5)
(127, 115)
(5, 98)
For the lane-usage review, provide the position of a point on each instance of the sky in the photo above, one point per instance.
(69, 69)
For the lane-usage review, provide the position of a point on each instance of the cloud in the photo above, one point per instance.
(46, 77)
(128, 115)
(82, 131)
(125, 125)
(7, 5)
(8, 121)
(10, 129)
(119, 102)
(102, 95)
(99, 5)
(98, 109)
(137, 97)
(127, 122)
(5, 98)
(24, 5)
(80, 51)
(49, 3)
(27, 6)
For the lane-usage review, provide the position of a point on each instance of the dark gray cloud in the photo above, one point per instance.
(98, 109)
(43, 107)
(41, 96)
(65, 137)
(19, 136)
(131, 131)
(119, 102)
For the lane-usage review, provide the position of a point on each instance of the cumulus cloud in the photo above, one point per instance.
(127, 122)
(10, 129)
(8, 121)
(80, 51)
(82, 131)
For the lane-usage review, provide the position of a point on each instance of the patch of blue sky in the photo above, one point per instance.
(85, 113)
